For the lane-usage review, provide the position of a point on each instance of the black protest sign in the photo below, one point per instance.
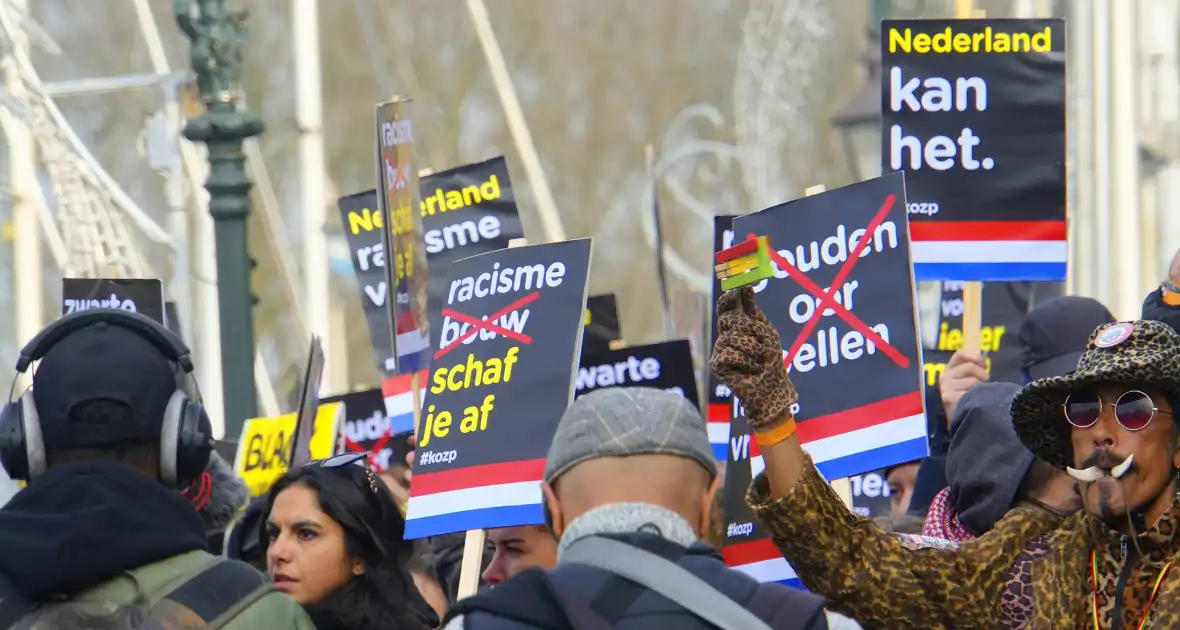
(143, 296)
(464, 211)
(748, 548)
(397, 177)
(367, 428)
(667, 365)
(870, 494)
(842, 301)
(602, 324)
(974, 112)
(1004, 307)
(363, 225)
(505, 356)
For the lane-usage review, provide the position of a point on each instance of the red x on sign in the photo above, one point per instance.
(829, 302)
(488, 323)
(377, 445)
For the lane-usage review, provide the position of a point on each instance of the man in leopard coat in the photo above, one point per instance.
(1108, 565)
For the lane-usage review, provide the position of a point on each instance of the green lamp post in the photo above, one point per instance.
(218, 36)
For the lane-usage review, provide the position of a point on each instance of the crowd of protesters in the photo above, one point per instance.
(1050, 503)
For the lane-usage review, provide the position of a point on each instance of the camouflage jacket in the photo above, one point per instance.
(884, 584)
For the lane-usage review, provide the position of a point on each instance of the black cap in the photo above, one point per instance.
(102, 361)
(1054, 334)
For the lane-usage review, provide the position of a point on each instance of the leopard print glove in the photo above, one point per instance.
(748, 358)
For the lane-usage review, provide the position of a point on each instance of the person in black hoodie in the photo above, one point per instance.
(333, 540)
(106, 438)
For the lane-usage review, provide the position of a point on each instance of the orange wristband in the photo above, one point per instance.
(777, 434)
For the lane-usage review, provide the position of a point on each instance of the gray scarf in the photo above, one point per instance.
(625, 518)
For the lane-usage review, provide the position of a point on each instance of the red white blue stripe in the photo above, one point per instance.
(475, 497)
(761, 560)
(718, 427)
(885, 433)
(989, 251)
(399, 401)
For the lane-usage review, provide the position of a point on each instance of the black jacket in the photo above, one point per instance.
(79, 525)
(525, 602)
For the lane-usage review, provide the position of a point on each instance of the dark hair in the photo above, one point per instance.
(98, 412)
(384, 596)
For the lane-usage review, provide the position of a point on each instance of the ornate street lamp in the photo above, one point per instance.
(218, 36)
(859, 120)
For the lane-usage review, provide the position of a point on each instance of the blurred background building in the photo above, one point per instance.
(747, 102)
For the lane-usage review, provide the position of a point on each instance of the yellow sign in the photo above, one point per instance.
(265, 447)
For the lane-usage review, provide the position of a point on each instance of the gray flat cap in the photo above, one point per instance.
(622, 421)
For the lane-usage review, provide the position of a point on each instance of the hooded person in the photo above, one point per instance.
(1163, 303)
(107, 438)
(1109, 424)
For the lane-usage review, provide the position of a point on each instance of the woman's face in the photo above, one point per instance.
(307, 558)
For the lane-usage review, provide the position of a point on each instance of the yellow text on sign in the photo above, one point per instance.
(265, 447)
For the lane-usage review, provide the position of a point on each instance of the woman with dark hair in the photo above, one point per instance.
(334, 544)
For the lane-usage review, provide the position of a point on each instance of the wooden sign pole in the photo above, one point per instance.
(842, 487)
(474, 543)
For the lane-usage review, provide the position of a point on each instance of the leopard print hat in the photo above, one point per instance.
(1135, 353)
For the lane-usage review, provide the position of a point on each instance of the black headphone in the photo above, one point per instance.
(186, 436)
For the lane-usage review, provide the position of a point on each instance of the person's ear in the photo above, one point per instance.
(358, 566)
(553, 516)
(707, 505)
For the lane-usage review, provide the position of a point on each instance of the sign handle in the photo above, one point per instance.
(473, 544)
(842, 487)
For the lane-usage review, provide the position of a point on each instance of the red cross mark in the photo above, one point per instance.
(488, 323)
(378, 445)
(827, 297)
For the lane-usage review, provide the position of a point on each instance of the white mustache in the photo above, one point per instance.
(1095, 473)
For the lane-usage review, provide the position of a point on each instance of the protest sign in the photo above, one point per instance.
(870, 494)
(974, 112)
(748, 547)
(846, 321)
(501, 376)
(465, 211)
(1004, 307)
(602, 323)
(720, 398)
(666, 365)
(367, 427)
(397, 181)
(265, 446)
(145, 296)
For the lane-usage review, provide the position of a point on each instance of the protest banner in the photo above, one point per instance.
(666, 365)
(974, 111)
(844, 322)
(465, 211)
(748, 547)
(143, 296)
(367, 427)
(870, 494)
(1004, 305)
(266, 443)
(397, 201)
(501, 376)
(718, 407)
(602, 324)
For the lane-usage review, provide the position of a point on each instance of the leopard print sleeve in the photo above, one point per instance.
(874, 578)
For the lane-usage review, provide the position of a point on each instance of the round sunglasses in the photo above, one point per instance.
(1133, 409)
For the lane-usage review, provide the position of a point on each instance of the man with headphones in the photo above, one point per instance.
(110, 432)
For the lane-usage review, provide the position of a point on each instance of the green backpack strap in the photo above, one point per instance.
(213, 594)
